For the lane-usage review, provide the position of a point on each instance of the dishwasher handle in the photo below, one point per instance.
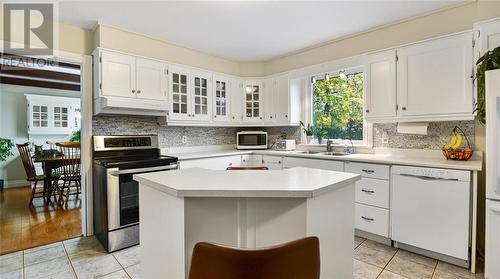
(428, 178)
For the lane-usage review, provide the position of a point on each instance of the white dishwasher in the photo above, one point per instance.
(431, 211)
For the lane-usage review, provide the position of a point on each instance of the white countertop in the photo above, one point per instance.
(287, 183)
(433, 159)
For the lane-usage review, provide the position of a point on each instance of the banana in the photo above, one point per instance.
(458, 143)
(452, 142)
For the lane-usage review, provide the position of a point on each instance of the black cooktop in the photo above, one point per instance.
(135, 161)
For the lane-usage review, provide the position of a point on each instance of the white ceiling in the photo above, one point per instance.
(244, 30)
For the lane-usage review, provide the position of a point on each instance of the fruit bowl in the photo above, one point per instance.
(453, 149)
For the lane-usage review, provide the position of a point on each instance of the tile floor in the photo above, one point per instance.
(85, 258)
(24, 226)
(373, 260)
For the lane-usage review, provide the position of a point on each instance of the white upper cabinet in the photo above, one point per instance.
(201, 95)
(221, 98)
(236, 101)
(278, 101)
(179, 94)
(380, 86)
(434, 79)
(151, 79)
(52, 114)
(190, 94)
(253, 109)
(127, 76)
(270, 110)
(488, 34)
(117, 75)
(282, 99)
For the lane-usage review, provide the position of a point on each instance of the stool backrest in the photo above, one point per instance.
(298, 259)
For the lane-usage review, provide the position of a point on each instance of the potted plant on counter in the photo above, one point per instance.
(5, 151)
(321, 134)
(308, 130)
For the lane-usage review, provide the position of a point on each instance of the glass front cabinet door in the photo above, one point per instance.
(52, 114)
(179, 94)
(221, 95)
(253, 101)
(201, 108)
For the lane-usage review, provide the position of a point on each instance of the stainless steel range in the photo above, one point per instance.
(116, 194)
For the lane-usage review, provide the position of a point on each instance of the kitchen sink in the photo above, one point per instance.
(334, 153)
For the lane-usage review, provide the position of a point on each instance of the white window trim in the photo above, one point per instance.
(308, 107)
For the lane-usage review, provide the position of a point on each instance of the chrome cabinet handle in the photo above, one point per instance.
(367, 219)
(368, 171)
(133, 90)
(368, 191)
(367, 110)
(138, 91)
(403, 108)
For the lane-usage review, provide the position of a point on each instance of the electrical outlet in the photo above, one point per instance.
(385, 137)
(184, 139)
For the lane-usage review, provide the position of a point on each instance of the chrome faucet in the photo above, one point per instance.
(328, 145)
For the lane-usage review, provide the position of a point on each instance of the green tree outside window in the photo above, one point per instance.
(338, 106)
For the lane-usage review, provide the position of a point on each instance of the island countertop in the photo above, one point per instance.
(288, 183)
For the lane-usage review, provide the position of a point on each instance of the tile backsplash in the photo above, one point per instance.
(171, 136)
(438, 134)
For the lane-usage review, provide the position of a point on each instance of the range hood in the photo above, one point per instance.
(116, 105)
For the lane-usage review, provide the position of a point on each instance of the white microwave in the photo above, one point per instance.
(251, 140)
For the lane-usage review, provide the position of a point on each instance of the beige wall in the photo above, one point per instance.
(130, 42)
(443, 22)
(70, 38)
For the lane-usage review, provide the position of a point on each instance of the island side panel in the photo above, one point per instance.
(330, 217)
(213, 220)
(161, 218)
(276, 220)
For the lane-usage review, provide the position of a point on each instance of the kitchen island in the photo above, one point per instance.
(247, 209)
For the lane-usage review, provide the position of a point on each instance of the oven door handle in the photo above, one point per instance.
(141, 170)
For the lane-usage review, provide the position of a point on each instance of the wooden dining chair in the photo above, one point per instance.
(299, 259)
(31, 175)
(248, 168)
(70, 171)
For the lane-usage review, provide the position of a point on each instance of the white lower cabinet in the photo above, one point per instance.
(372, 219)
(372, 197)
(373, 192)
(292, 162)
(250, 160)
(273, 162)
(217, 163)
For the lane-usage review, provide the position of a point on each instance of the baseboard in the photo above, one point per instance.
(15, 183)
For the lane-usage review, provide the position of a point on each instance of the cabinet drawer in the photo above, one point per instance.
(373, 192)
(372, 219)
(368, 170)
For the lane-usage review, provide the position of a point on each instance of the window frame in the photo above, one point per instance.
(367, 127)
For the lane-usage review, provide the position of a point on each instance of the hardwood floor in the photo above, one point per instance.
(23, 226)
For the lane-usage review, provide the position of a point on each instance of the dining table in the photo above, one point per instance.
(49, 163)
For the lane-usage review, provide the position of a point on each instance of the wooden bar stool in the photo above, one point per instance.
(299, 259)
